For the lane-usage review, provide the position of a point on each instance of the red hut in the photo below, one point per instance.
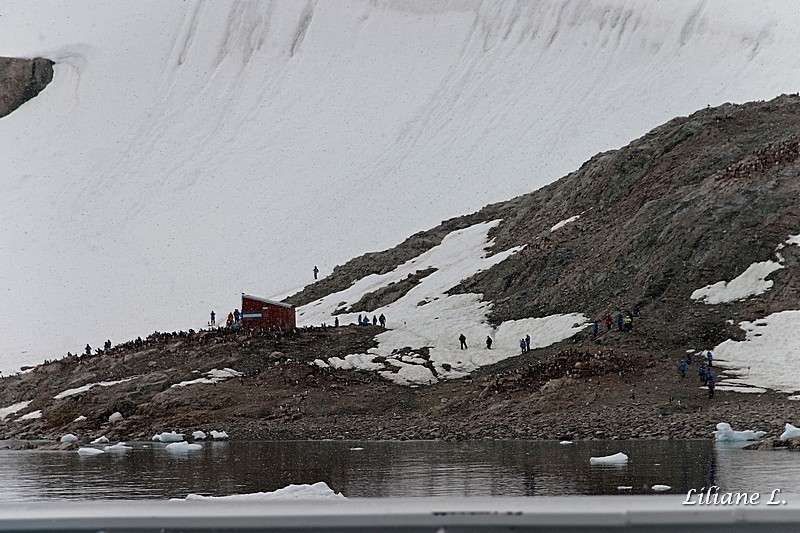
(260, 312)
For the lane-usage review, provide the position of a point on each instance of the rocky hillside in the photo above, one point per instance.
(693, 202)
(21, 80)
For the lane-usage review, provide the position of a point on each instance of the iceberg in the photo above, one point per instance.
(616, 459)
(790, 431)
(69, 437)
(724, 432)
(183, 447)
(89, 451)
(168, 436)
(118, 447)
(317, 491)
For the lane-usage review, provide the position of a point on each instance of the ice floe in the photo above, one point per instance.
(789, 432)
(724, 432)
(618, 458)
(317, 491)
(168, 436)
(183, 447)
(90, 451)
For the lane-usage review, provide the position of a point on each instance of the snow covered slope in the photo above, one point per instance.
(188, 151)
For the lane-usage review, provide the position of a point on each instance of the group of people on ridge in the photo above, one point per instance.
(232, 322)
(364, 321)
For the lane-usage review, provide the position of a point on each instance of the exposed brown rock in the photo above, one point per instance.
(21, 80)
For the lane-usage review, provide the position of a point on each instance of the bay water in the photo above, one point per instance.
(383, 469)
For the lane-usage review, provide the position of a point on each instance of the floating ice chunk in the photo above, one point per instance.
(791, 431)
(616, 459)
(218, 434)
(356, 449)
(115, 417)
(199, 435)
(625, 487)
(317, 491)
(118, 447)
(168, 436)
(725, 433)
(69, 437)
(100, 440)
(183, 447)
(89, 451)
(660, 488)
(566, 442)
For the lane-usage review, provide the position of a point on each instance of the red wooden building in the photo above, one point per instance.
(260, 312)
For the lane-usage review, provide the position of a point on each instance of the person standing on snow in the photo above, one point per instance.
(236, 315)
(527, 343)
(336, 322)
(463, 340)
(213, 318)
(316, 271)
(488, 342)
(522, 345)
(382, 320)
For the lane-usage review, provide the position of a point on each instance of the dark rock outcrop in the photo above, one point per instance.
(21, 80)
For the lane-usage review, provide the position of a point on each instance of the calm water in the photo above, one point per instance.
(393, 469)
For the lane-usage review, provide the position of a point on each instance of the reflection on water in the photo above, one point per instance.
(393, 469)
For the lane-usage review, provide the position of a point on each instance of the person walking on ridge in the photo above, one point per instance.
(382, 320)
(463, 340)
(213, 318)
(488, 342)
(316, 271)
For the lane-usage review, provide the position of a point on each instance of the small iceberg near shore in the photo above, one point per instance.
(616, 459)
(724, 432)
(168, 436)
(89, 451)
(789, 432)
(118, 447)
(69, 437)
(183, 447)
(660, 488)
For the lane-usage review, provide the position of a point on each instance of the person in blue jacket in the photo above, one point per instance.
(710, 358)
(701, 371)
(682, 368)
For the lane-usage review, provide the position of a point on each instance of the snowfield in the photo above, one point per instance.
(186, 152)
(428, 322)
